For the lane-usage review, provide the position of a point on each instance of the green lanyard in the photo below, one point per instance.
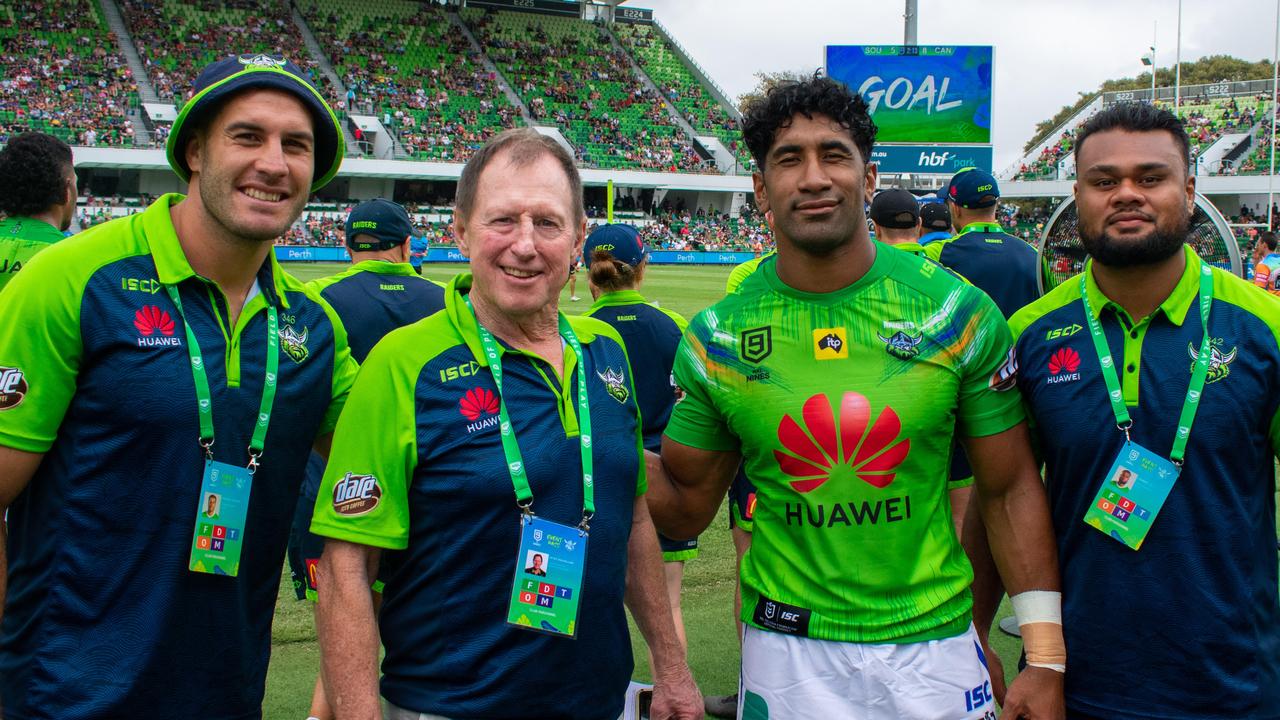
(204, 399)
(1198, 372)
(511, 449)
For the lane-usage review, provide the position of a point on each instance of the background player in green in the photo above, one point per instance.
(103, 458)
(616, 260)
(837, 375)
(37, 196)
(380, 292)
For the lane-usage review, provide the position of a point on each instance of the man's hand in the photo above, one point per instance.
(676, 696)
(1036, 694)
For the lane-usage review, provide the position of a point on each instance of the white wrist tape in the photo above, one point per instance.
(1039, 614)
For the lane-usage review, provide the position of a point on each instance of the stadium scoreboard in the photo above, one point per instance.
(931, 103)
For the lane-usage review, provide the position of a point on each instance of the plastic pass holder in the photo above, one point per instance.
(547, 589)
(220, 519)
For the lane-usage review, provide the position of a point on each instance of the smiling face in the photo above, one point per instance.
(251, 167)
(521, 236)
(1134, 197)
(814, 185)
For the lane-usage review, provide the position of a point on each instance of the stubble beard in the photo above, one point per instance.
(1158, 245)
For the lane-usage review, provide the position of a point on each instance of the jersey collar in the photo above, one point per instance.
(1174, 307)
(911, 247)
(621, 297)
(172, 266)
(988, 227)
(455, 307)
(383, 267)
(29, 228)
(880, 267)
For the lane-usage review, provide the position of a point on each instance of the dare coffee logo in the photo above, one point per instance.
(356, 494)
(13, 387)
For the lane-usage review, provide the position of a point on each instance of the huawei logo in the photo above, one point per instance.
(477, 402)
(1064, 360)
(151, 319)
(826, 446)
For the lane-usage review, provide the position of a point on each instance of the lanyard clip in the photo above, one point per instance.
(252, 467)
(208, 448)
(1124, 428)
(584, 527)
(526, 508)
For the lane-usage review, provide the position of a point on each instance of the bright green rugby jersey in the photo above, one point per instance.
(20, 239)
(844, 405)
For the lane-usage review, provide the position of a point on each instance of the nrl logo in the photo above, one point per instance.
(1219, 362)
(901, 345)
(261, 60)
(294, 344)
(615, 383)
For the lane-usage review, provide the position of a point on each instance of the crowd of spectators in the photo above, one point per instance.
(59, 74)
(709, 231)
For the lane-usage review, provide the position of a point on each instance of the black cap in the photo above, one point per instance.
(896, 209)
(935, 216)
(384, 221)
(224, 78)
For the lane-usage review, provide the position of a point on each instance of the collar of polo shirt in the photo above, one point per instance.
(1174, 307)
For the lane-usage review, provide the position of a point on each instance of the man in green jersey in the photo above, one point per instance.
(37, 196)
(837, 375)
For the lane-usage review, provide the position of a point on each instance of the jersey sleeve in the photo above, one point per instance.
(989, 402)
(364, 496)
(696, 420)
(1261, 274)
(40, 353)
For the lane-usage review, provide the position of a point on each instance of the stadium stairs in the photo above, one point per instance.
(648, 82)
(115, 21)
(456, 21)
(323, 64)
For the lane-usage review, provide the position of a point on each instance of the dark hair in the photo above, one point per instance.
(1136, 117)
(610, 274)
(815, 96)
(526, 146)
(33, 173)
(1268, 238)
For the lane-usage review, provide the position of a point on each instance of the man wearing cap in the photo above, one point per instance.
(377, 294)
(616, 260)
(144, 364)
(895, 217)
(1000, 264)
(935, 222)
(37, 197)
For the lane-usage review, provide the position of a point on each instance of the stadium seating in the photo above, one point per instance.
(404, 62)
(685, 230)
(663, 65)
(176, 38)
(567, 72)
(60, 73)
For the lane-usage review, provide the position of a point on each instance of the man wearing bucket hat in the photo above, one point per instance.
(145, 364)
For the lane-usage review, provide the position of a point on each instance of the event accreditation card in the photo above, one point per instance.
(219, 526)
(548, 577)
(1132, 494)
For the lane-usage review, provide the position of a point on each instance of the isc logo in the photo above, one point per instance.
(464, 370)
(356, 494)
(1062, 332)
(977, 697)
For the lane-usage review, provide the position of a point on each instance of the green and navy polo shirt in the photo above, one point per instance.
(420, 435)
(1199, 599)
(651, 335)
(103, 618)
(843, 406)
(20, 239)
(1000, 264)
(374, 297)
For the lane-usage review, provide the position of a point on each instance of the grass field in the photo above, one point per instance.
(708, 585)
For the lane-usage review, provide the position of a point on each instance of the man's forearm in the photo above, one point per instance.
(348, 633)
(686, 486)
(987, 588)
(1020, 533)
(646, 596)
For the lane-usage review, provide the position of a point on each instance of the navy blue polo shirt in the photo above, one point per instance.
(422, 429)
(103, 618)
(651, 335)
(1189, 625)
(374, 297)
(1000, 264)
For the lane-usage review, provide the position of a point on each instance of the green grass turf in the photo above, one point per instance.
(708, 585)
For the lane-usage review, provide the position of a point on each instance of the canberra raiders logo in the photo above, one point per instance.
(616, 384)
(901, 345)
(1219, 362)
(294, 344)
